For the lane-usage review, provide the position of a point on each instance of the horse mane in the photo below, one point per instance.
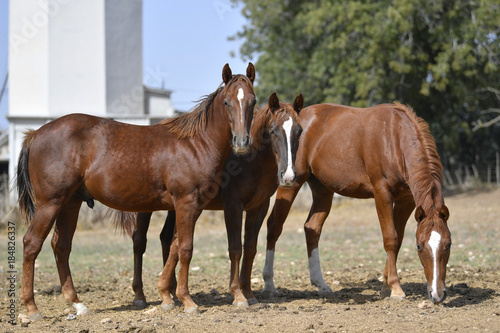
(190, 123)
(427, 177)
(262, 119)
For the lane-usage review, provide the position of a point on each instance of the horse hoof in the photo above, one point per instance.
(36, 316)
(241, 305)
(140, 304)
(194, 310)
(385, 293)
(397, 298)
(252, 301)
(84, 312)
(168, 306)
(325, 293)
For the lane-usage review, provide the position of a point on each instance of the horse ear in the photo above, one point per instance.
(227, 75)
(419, 214)
(274, 103)
(251, 72)
(444, 213)
(298, 104)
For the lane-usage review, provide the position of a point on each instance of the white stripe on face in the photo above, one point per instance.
(434, 241)
(240, 96)
(287, 126)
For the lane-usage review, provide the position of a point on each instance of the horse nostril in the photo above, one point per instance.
(247, 140)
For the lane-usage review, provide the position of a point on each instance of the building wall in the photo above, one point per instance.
(77, 58)
(28, 58)
(124, 91)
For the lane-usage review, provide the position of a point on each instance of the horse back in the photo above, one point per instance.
(350, 149)
(101, 156)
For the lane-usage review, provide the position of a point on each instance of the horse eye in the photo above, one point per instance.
(226, 103)
(419, 248)
(448, 246)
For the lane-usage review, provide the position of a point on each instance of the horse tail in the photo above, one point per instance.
(26, 201)
(126, 222)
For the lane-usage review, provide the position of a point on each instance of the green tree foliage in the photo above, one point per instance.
(442, 57)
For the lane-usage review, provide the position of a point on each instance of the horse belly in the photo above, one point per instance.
(349, 180)
(128, 193)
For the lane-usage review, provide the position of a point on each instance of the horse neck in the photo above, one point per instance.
(259, 128)
(423, 177)
(218, 129)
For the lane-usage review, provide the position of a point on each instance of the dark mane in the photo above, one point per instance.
(187, 125)
(263, 118)
(427, 177)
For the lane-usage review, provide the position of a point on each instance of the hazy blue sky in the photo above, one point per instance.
(184, 45)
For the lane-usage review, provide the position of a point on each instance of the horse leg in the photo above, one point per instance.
(253, 222)
(61, 246)
(186, 216)
(402, 212)
(166, 238)
(233, 216)
(33, 240)
(321, 205)
(139, 238)
(167, 283)
(384, 205)
(284, 200)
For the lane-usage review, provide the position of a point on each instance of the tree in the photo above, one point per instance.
(441, 57)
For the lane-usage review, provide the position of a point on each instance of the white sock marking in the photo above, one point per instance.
(80, 308)
(315, 271)
(287, 126)
(268, 272)
(434, 241)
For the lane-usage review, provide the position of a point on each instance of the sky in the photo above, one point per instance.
(185, 47)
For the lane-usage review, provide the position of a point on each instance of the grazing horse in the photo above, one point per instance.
(384, 152)
(249, 183)
(171, 165)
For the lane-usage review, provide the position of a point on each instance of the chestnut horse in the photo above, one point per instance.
(384, 152)
(250, 182)
(170, 165)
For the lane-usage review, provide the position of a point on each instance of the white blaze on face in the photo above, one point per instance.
(434, 241)
(240, 96)
(287, 126)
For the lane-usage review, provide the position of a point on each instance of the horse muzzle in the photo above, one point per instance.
(241, 145)
(437, 297)
(287, 178)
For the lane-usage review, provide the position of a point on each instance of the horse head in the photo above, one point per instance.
(433, 245)
(239, 101)
(285, 130)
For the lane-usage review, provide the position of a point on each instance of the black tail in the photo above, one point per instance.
(27, 203)
(124, 221)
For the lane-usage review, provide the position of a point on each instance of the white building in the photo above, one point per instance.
(68, 56)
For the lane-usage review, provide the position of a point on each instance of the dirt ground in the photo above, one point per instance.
(352, 258)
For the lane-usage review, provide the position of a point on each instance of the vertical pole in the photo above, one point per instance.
(498, 168)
